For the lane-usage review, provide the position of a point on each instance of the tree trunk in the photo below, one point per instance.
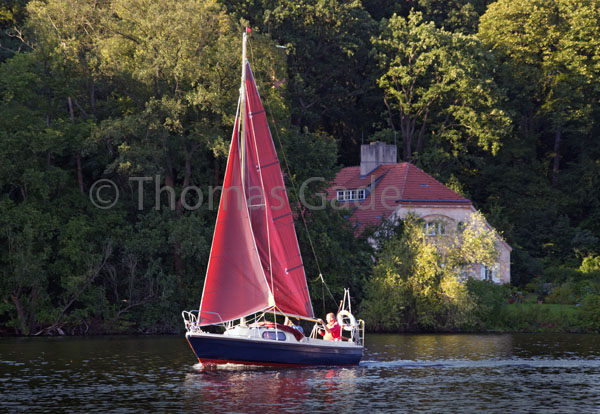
(422, 134)
(407, 126)
(20, 313)
(217, 168)
(407, 139)
(32, 324)
(556, 160)
(178, 263)
(188, 170)
(93, 96)
(79, 172)
(391, 119)
(78, 156)
(48, 99)
(93, 271)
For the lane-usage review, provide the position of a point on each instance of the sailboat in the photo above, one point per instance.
(255, 275)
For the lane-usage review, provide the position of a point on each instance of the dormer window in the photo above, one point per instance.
(351, 195)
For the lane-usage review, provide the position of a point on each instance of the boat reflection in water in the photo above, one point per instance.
(228, 388)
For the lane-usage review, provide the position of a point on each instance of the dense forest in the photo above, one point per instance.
(111, 109)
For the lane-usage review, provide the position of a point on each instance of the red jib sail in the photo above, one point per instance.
(270, 213)
(235, 284)
(255, 262)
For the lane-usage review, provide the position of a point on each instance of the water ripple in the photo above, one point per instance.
(424, 373)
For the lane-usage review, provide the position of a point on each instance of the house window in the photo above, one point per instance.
(435, 228)
(350, 195)
(489, 273)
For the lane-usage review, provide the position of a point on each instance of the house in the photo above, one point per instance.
(381, 188)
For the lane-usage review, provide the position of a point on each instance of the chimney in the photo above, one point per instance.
(374, 155)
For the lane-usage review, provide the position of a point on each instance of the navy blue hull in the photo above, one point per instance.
(218, 349)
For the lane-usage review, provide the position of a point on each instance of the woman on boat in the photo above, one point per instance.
(296, 325)
(333, 331)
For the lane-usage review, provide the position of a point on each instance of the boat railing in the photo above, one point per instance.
(358, 333)
(192, 319)
(314, 331)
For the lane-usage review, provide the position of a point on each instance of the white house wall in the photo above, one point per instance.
(456, 214)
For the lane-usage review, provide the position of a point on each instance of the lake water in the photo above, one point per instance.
(399, 373)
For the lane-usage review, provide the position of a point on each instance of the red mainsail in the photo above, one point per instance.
(270, 213)
(255, 262)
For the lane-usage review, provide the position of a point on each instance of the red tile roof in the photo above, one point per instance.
(394, 185)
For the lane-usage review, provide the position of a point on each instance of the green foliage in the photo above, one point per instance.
(546, 171)
(490, 298)
(504, 108)
(590, 312)
(455, 15)
(590, 264)
(12, 14)
(439, 88)
(330, 79)
(415, 284)
(541, 318)
(562, 295)
(124, 89)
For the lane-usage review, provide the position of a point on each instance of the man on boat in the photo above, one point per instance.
(333, 331)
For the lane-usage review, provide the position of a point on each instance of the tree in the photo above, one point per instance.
(415, 283)
(549, 52)
(330, 74)
(12, 15)
(546, 53)
(439, 88)
(453, 15)
(24, 278)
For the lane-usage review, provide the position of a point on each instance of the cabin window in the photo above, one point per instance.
(350, 195)
(435, 228)
(275, 336)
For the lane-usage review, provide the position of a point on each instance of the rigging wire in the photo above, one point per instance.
(287, 167)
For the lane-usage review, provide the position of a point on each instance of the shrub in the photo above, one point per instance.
(559, 274)
(590, 312)
(489, 299)
(587, 287)
(562, 295)
(541, 318)
(590, 264)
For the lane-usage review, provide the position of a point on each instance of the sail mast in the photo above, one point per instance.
(243, 109)
(243, 125)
